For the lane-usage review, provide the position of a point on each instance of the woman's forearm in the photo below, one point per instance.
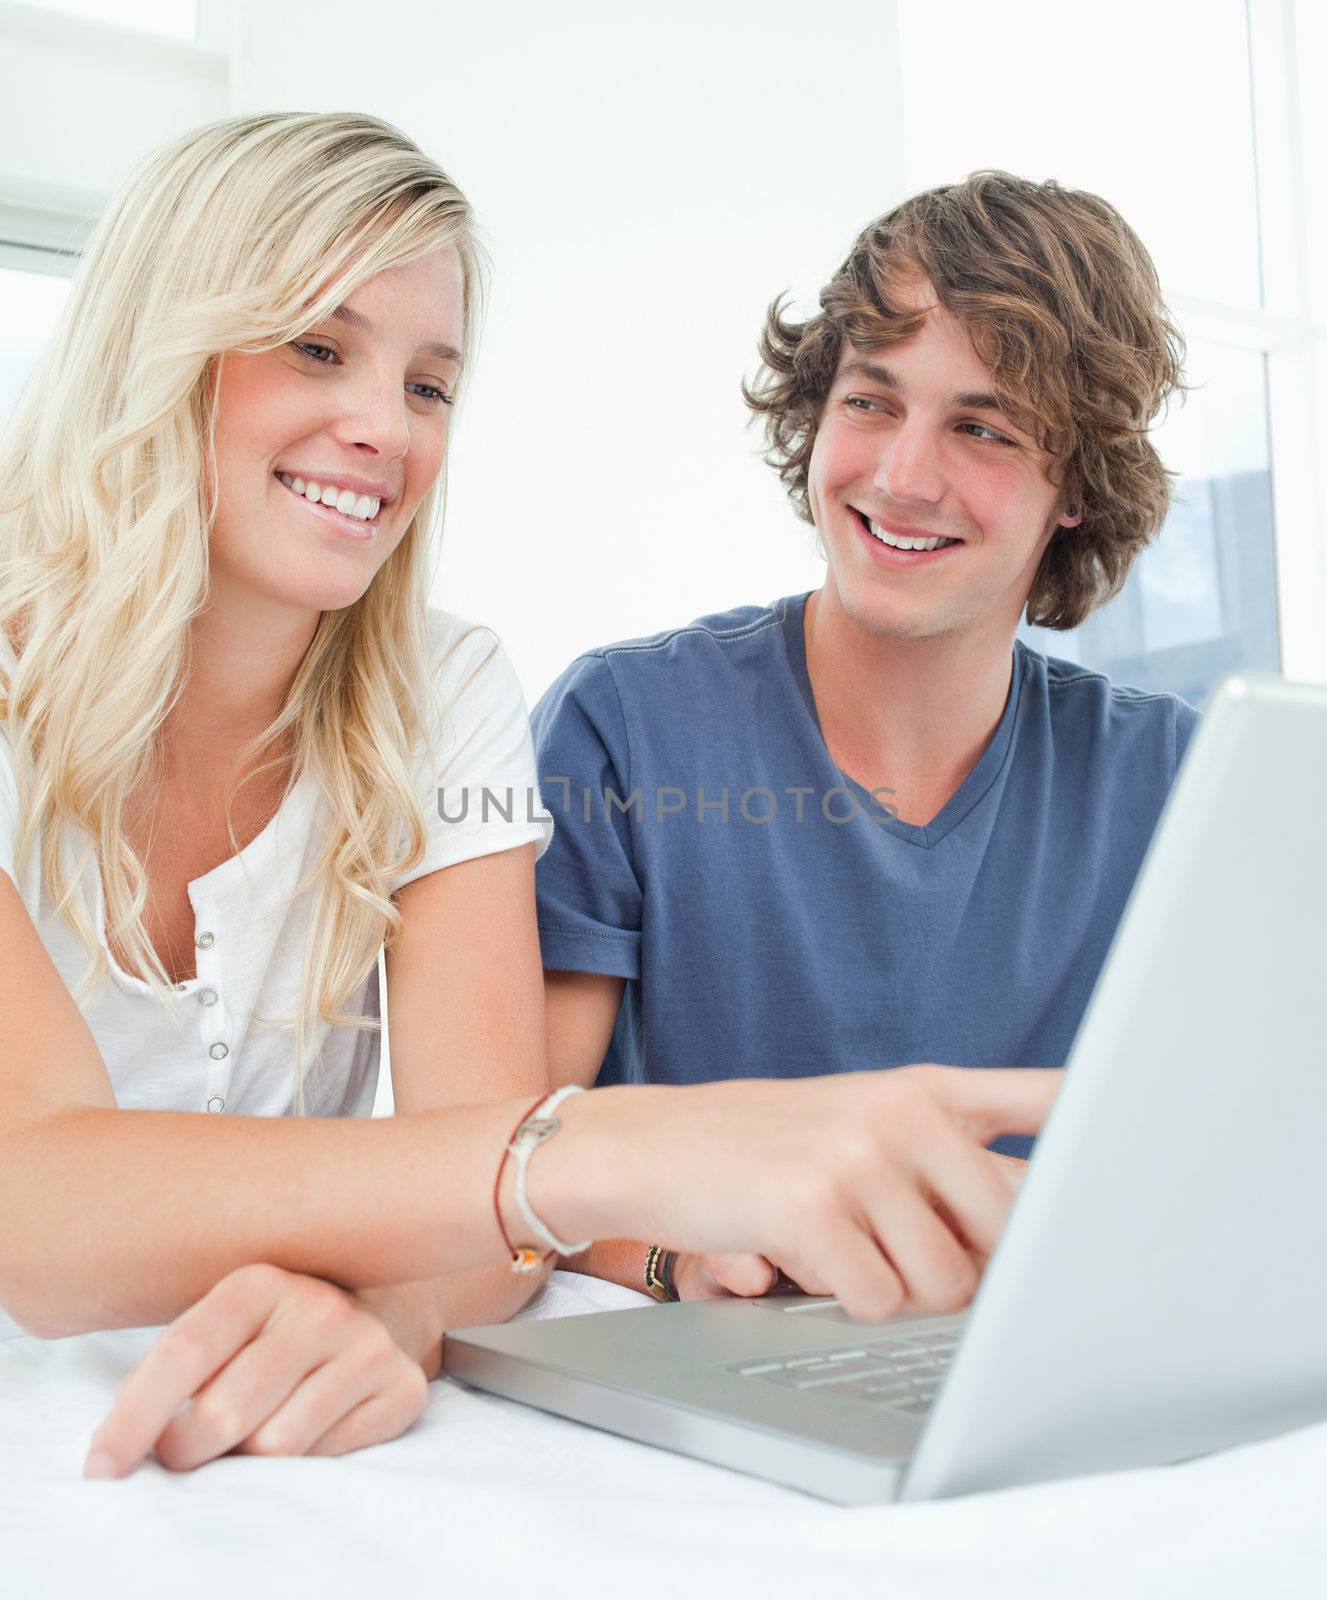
(125, 1218)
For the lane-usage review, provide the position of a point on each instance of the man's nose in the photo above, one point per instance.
(909, 469)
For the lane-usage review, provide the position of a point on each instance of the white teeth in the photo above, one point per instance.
(897, 542)
(363, 507)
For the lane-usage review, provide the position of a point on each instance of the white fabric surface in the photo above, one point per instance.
(487, 1498)
(217, 1054)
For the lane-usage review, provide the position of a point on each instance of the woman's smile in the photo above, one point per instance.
(350, 513)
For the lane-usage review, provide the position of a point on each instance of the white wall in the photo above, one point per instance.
(649, 178)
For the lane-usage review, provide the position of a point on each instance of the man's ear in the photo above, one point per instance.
(1071, 518)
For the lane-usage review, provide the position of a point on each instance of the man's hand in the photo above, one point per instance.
(271, 1363)
(710, 1277)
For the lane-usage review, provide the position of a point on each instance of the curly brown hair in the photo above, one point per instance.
(1062, 303)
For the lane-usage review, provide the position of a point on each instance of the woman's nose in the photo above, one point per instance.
(376, 419)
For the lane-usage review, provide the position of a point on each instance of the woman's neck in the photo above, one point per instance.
(243, 662)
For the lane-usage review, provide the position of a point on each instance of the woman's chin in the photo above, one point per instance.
(311, 592)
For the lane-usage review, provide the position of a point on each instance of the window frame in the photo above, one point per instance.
(44, 227)
(45, 223)
(1294, 346)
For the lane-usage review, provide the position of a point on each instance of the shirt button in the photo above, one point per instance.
(218, 1052)
(207, 997)
(216, 1103)
(205, 941)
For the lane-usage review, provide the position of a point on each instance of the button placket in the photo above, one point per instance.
(216, 1059)
(213, 1025)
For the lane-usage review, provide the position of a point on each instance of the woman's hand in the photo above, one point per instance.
(712, 1277)
(874, 1187)
(272, 1363)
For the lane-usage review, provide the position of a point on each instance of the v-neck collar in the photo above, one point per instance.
(973, 788)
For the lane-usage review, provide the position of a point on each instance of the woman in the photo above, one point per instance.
(228, 712)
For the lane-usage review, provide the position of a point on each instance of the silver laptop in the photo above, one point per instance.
(1160, 1290)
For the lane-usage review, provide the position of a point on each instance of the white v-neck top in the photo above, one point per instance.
(217, 1053)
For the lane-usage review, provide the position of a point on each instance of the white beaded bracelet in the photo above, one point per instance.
(537, 1129)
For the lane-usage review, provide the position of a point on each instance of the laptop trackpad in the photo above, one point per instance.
(821, 1310)
(818, 1309)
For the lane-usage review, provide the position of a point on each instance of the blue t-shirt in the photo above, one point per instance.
(775, 919)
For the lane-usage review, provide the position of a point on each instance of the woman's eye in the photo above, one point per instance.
(431, 393)
(323, 354)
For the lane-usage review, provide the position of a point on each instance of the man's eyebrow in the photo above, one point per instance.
(969, 400)
(357, 319)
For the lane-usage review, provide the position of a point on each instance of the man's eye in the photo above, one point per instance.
(860, 402)
(991, 435)
(323, 354)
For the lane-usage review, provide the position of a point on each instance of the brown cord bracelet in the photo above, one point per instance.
(525, 1259)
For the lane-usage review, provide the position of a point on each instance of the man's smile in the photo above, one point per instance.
(909, 546)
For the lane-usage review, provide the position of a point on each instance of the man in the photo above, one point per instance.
(868, 827)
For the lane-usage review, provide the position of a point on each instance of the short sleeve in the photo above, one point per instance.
(1186, 725)
(590, 899)
(477, 784)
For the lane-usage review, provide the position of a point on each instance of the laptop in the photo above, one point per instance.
(1160, 1290)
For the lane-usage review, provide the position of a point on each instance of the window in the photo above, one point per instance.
(1211, 169)
(30, 303)
(1201, 600)
(178, 18)
(93, 83)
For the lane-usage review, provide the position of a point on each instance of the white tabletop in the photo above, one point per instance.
(484, 1497)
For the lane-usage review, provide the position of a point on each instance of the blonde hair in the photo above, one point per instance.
(237, 237)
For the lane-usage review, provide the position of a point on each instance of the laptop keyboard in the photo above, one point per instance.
(902, 1373)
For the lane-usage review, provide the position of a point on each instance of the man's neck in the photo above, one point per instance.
(909, 715)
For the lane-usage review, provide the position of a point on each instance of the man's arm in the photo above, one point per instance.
(590, 898)
(582, 1010)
